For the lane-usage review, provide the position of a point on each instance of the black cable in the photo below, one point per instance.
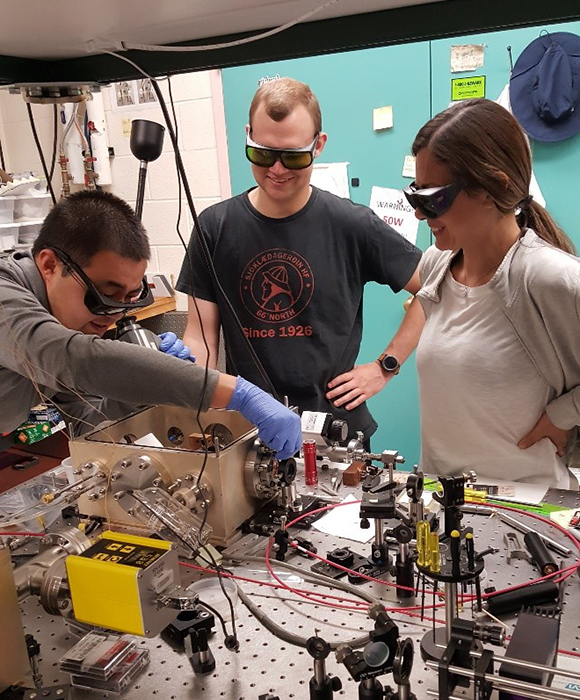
(182, 180)
(54, 141)
(2, 157)
(216, 613)
(40, 153)
(234, 644)
(203, 243)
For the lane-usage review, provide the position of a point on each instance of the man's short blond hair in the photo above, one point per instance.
(280, 97)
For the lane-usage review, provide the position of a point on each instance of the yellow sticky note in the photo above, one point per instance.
(126, 125)
(382, 118)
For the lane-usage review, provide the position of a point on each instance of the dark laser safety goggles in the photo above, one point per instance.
(433, 201)
(100, 304)
(291, 158)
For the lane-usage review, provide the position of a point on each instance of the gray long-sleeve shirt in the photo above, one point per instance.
(538, 290)
(89, 378)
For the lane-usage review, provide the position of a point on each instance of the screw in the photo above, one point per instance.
(115, 476)
(92, 497)
(77, 471)
(102, 491)
(143, 465)
(125, 463)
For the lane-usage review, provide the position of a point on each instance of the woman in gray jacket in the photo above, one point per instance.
(499, 355)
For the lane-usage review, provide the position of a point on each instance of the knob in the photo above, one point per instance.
(338, 431)
(336, 683)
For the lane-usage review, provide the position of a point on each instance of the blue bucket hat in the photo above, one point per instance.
(545, 87)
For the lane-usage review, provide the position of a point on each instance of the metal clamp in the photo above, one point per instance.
(514, 548)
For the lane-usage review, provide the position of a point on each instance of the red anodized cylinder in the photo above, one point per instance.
(310, 472)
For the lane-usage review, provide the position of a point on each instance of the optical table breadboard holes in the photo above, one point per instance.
(266, 664)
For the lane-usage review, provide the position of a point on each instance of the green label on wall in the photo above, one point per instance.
(464, 88)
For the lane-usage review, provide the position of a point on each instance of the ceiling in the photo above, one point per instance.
(64, 40)
(70, 28)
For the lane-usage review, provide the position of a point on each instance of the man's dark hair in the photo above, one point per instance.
(87, 223)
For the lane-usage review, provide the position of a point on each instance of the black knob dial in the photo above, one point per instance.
(338, 431)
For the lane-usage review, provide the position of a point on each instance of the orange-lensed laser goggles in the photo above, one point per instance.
(291, 158)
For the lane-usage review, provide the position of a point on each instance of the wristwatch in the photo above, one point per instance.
(389, 363)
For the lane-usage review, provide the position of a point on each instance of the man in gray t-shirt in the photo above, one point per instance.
(86, 271)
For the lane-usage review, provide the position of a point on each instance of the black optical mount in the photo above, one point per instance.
(465, 635)
(378, 504)
(376, 659)
(402, 666)
(452, 498)
(404, 563)
(198, 652)
(322, 686)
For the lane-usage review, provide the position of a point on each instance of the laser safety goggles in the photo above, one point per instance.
(291, 158)
(433, 201)
(100, 304)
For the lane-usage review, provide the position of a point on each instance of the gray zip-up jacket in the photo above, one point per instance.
(538, 290)
(89, 378)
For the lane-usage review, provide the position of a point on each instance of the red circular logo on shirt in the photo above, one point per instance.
(276, 285)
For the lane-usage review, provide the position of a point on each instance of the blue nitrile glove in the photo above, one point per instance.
(171, 345)
(277, 426)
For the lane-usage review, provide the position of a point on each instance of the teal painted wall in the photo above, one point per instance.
(556, 165)
(416, 80)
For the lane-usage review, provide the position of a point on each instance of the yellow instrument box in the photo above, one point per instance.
(116, 583)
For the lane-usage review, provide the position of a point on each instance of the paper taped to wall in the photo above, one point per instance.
(332, 177)
(391, 206)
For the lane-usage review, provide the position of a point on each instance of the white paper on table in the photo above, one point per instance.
(344, 521)
(332, 177)
(391, 206)
(567, 663)
(148, 440)
(529, 493)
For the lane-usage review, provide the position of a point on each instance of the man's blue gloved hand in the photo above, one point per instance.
(171, 345)
(277, 426)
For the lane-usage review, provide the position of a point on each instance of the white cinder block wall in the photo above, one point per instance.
(202, 139)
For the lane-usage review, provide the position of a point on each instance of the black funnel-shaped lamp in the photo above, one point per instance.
(146, 146)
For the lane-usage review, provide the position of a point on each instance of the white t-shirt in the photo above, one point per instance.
(480, 393)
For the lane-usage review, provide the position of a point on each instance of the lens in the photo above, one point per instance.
(296, 161)
(262, 157)
(111, 312)
(97, 307)
(436, 203)
(427, 210)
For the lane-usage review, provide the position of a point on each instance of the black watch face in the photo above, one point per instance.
(390, 363)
